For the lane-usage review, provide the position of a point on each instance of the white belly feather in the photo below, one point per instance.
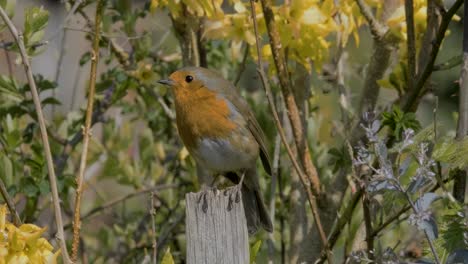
(219, 155)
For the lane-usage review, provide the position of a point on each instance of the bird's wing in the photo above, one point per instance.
(253, 126)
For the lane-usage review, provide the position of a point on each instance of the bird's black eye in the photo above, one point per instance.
(188, 78)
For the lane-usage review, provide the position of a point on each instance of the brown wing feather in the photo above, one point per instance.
(253, 126)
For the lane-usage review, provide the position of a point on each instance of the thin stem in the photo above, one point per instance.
(10, 203)
(45, 139)
(340, 223)
(411, 43)
(94, 212)
(241, 67)
(294, 115)
(377, 29)
(459, 187)
(86, 130)
(8, 60)
(67, 18)
(153, 227)
(412, 96)
(368, 224)
(416, 211)
(274, 181)
(271, 102)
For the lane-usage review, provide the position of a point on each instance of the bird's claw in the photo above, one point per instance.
(203, 195)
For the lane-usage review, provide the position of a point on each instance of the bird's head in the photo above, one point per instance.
(190, 79)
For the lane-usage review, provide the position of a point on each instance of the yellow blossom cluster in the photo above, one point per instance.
(305, 26)
(24, 244)
(396, 23)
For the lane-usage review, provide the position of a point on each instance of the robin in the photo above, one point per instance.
(221, 133)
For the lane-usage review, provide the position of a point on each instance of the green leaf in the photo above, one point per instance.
(51, 101)
(9, 7)
(168, 259)
(398, 121)
(44, 187)
(36, 19)
(453, 152)
(6, 170)
(85, 58)
(254, 250)
(29, 187)
(34, 23)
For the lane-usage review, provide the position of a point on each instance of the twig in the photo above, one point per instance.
(438, 175)
(62, 44)
(433, 19)
(241, 67)
(459, 187)
(112, 203)
(449, 64)
(8, 60)
(67, 18)
(299, 135)
(390, 220)
(403, 210)
(45, 140)
(59, 64)
(121, 55)
(153, 226)
(380, 59)
(412, 95)
(166, 109)
(98, 113)
(368, 224)
(339, 225)
(164, 235)
(86, 131)
(411, 43)
(377, 30)
(274, 180)
(271, 102)
(416, 211)
(10, 203)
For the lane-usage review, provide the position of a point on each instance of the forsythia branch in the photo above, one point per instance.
(302, 176)
(86, 130)
(45, 139)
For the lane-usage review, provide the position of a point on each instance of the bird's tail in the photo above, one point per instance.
(255, 210)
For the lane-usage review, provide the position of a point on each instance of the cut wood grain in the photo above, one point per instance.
(216, 228)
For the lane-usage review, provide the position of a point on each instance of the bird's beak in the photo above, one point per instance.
(169, 82)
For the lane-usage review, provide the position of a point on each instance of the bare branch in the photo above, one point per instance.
(153, 227)
(10, 203)
(459, 187)
(377, 30)
(241, 67)
(300, 138)
(92, 213)
(340, 223)
(271, 102)
(411, 43)
(410, 99)
(45, 140)
(86, 131)
(368, 224)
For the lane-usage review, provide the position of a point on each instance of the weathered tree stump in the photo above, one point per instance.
(216, 228)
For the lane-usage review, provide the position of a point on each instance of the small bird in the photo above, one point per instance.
(221, 133)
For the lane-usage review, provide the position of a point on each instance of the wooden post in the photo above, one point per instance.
(216, 228)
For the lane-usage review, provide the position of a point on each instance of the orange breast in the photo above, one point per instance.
(201, 114)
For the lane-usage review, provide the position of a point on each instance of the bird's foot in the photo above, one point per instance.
(234, 191)
(203, 193)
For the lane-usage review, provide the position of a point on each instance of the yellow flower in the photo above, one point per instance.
(24, 244)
